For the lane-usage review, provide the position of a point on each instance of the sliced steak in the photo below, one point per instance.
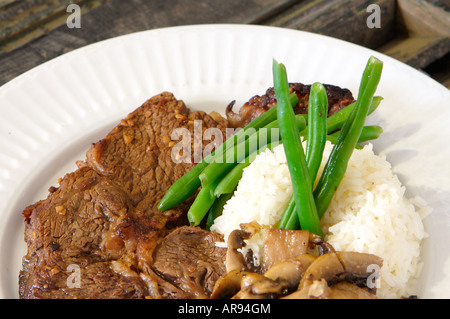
(102, 219)
(338, 98)
(188, 258)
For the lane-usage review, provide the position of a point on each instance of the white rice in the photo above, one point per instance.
(369, 213)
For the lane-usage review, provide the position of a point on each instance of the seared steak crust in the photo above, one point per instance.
(338, 98)
(102, 219)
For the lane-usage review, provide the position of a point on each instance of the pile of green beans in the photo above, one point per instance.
(352, 131)
(315, 144)
(348, 137)
(216, 177)
(301, 180)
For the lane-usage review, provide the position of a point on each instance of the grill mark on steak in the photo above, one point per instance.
(103, 217)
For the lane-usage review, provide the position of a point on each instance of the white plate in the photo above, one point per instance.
(51, 114)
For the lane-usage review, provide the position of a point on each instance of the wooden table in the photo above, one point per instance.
(416, 32)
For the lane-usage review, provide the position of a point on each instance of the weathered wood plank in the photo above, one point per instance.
(416, 32)
(423, 32)
(418, 52)
(34, 31)
(424, 18)
(342, 19)
(4, 3)
(119, 17)
(24, 21)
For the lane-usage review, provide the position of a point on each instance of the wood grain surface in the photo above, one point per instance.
(416, 32)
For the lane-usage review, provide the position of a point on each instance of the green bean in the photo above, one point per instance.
(265, 118)
(368, 133)
(238, 153)
(182, 188)
(202, 204)
(351, 131)
(289, 218)
(231, 179)
(217, 208)
(235, 155)
(296, 161)
(337, 120)
(317, 128)
(317, 131)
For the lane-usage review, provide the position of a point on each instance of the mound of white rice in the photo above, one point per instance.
(369, 213)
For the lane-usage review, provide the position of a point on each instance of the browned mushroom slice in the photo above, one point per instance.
(235, 259)
(282, 244)
(260, 284)
(317, 243)
(359, 264)
(291, 270)
(341, 266)
(326, 267)
(257, 286)
(317, 289)
(247, 285)
(361, 269)
(228, 285)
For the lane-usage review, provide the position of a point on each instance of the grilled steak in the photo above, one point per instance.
(338, 98)
(95, 234)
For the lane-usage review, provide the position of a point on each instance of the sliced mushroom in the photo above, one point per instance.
(257, 286)
(361, 269)
(359, 264)
(235, 259)
(291, 270)
(228, 285)
(326, 267)
(317, 243)
(247, 285)
(316, 289)
(251, 228)
(341, 266)
(282, 244)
